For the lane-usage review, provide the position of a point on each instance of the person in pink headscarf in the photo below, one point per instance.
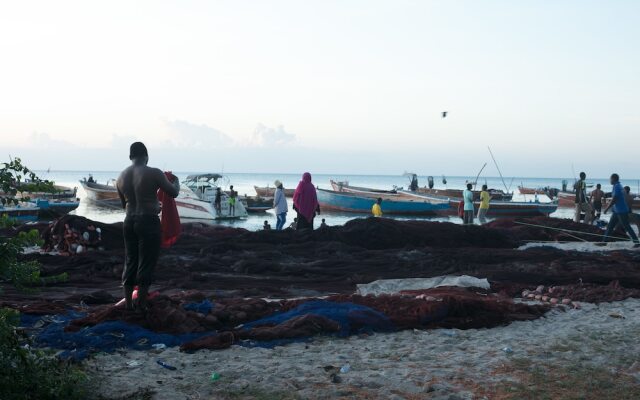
(305, 202)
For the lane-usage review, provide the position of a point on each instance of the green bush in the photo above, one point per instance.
(27, 373)
(33, 374)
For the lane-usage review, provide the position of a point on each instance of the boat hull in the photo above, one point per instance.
(55, 208)
(349, 202)
(21, 213)
(499, 209)
(257, 204)
(191, 207)
(566, 200)
(526, 190)
(457, 193)
(100, 193)
(270, 192)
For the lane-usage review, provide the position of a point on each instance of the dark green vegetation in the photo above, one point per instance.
(26, 373)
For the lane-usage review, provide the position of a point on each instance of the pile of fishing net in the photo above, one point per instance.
(446, 307)
(192, 321)
(542, 229)
(582, 292)
(185, 313)
(378, 234)
(72, 234)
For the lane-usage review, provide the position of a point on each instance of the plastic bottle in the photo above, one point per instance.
(214, 376)
(165, 365)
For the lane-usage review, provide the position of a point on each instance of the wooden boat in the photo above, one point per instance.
(352, 202)
(497, 208)
(567, 200)
(496, 194)
(23, 212)
(55, 208)
(59, 192)
(270, 191)
(345, 187)
(100, 193)
(257, 204)
(454, 193)
(526, 190)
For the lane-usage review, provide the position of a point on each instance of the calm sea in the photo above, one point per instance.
(244, 184)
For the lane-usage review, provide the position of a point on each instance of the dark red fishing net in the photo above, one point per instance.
(231, 262)
(590, 293)
(449, 307)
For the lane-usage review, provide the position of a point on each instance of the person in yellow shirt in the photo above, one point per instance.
(376, 210)
(485, 198)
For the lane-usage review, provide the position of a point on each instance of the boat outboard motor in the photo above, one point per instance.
(430, 180)
(564, 185)
(444, 180)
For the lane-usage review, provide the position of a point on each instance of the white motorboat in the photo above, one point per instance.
(197, 196)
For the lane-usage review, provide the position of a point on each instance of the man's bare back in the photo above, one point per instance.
(138, 186)
(597, 195)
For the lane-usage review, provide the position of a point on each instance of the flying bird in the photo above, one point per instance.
(444, 114)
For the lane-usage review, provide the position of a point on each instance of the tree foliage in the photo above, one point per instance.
(16, 178)
(26, 373)
(30, 373)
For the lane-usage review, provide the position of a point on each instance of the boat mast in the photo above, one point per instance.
(478, 176)
(494, 161)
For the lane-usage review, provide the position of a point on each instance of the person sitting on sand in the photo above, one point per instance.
(266, 226)
(620, 212)
(485, 198)
(217, 201)
(467, 197)
(596, 200)
(138, 186)
(280, 205)
(294, 224)
(376, 210)
(305, 202)
(232, 201)
(323, 224)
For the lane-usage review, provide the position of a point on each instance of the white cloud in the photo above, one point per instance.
(187, 134)
(263, 136)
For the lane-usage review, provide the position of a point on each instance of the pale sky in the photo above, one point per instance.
(327, 86)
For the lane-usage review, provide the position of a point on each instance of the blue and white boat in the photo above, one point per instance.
(23, 212)
(355, 203)
(54, 208)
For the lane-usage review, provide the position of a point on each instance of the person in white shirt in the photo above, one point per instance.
(280, 206)
(467, 197)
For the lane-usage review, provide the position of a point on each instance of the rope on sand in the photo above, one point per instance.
(571, 231)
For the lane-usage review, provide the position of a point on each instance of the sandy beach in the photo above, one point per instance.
(586, 353)
(494, 344)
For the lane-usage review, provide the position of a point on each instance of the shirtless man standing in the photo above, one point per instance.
(137, 187)
(596, 198)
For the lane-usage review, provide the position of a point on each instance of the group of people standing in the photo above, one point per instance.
(468, 210)
(232, 199)
(305, 204)
(621, 204)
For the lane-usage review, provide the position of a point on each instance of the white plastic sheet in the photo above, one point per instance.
(390, 286)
